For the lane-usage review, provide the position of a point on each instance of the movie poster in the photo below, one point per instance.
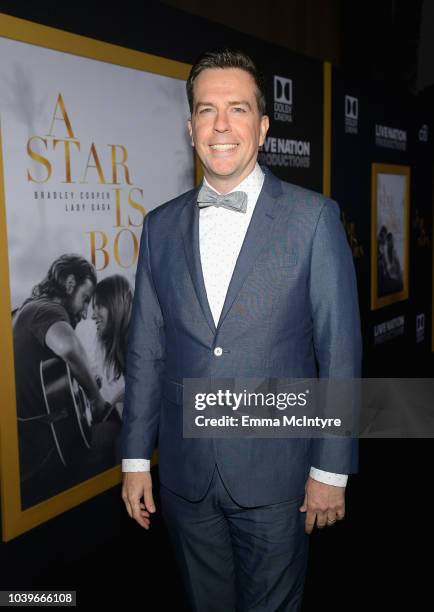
(390, 234)
(88, 148)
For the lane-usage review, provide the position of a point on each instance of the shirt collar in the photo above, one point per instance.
(252, 182)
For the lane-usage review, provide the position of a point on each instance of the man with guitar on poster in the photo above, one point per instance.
(54, 436)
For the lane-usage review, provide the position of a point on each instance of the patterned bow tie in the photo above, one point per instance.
(236, 200)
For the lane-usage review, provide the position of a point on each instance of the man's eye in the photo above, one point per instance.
(239, 109)
(204, 110)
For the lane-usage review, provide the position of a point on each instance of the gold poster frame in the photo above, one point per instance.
(398, 296)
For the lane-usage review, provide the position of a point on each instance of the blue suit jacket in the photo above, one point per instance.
(291, 310)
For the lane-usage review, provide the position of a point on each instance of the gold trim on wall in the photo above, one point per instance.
(327, 129)
(432, 256)
(59, 40)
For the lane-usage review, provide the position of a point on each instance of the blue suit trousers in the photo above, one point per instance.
(234, 558)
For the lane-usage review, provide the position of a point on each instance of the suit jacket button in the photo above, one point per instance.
(218, 351)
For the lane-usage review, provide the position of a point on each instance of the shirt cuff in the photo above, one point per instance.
(136, 465)
(337, 480)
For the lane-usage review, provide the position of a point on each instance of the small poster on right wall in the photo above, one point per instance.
(390, 233)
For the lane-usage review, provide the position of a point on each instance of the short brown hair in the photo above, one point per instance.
(228, 58)
(53, 285)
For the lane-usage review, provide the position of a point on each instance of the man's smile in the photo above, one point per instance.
(224, 147)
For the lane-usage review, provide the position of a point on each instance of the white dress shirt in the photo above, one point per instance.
(221, 235)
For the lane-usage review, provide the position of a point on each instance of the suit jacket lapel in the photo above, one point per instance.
(190, 233)
(258, 235)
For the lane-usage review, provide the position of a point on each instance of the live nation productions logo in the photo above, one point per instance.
(390, 138)
(389, 329)
(83, 178)
(351, 115)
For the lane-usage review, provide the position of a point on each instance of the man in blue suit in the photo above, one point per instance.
(245, 276)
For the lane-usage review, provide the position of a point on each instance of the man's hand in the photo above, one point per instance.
(136, 485)
(98, 408)
(323, 502)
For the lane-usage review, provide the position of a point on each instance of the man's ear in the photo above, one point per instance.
(263, 129)
(70, 283)
(190, 131)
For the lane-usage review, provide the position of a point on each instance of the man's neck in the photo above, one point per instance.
(225, 185)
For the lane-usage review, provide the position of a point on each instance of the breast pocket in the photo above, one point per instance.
(277, 260)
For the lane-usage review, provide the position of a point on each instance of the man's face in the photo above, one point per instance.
(77, 301)
(226, 126)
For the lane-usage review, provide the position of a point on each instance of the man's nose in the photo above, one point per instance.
(84, 313)
(221, 123)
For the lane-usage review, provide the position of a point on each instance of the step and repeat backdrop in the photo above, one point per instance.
(92, 137)
(382, 177)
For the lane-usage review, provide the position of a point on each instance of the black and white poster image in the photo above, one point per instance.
(69, 399)
(390, 234)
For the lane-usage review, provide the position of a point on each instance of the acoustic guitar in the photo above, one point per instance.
(68, 409)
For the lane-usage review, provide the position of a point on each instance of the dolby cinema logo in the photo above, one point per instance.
(351, 115)
(420, 327)
(283, 107)
(423, 133)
